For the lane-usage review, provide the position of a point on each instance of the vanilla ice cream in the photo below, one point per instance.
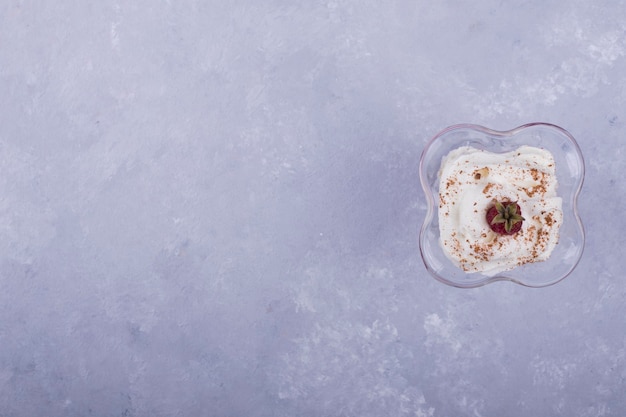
(471, 180)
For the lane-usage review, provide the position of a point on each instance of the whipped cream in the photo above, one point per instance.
(471, 180)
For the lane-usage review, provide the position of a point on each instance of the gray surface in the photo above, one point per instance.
(212, 208)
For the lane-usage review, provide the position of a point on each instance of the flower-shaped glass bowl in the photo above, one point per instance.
(570, 171)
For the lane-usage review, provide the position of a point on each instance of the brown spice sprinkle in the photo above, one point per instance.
(534, 172)
(534, 190)
(540, 188)
(482, 252)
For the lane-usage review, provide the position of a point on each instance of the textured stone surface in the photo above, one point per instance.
(212, 208)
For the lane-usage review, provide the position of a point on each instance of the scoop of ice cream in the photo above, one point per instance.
(471, 180)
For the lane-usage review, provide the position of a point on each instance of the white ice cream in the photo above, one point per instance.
(470, 181)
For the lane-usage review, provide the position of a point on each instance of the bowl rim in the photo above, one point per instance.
(501, 135)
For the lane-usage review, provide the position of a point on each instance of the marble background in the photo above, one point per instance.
(211, 208)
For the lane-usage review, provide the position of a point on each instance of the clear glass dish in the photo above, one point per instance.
(570, 171)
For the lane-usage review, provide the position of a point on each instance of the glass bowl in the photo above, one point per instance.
(570, 171)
